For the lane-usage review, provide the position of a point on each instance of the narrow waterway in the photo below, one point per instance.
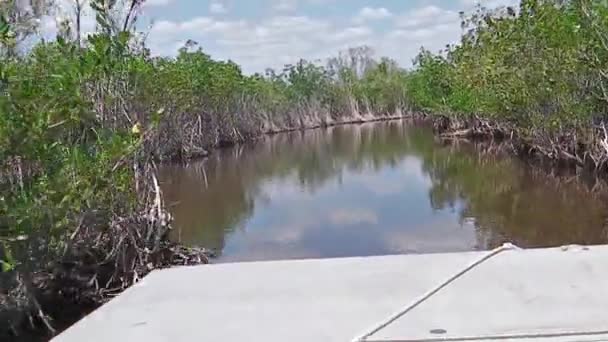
(373, 189)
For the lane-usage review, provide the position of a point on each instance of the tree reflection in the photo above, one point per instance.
(504, 199)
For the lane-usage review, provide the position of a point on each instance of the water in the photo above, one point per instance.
(373, 189)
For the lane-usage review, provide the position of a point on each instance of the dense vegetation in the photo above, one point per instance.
(83, 119)
(537, 71)
(525, 205)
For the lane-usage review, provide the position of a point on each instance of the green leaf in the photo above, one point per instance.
(8, 263)
(6, 267)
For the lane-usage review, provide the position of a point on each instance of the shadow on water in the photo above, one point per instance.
(372, 189)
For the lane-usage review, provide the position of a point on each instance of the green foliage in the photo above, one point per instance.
(430, 87)
(59, 159)
(7, 262)
(5, 30)
(74, 113)
(77, 114)
(537, 66)
(78, 117)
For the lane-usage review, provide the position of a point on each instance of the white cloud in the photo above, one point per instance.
(430, 26)
(285, 5)
(468, 4)
(292, 5)
(270, 42)
(349, 34)
(283, 36)
(371, 13)
(217, 7)
(440, 234)
(353, 217)
(151, 3)
(427, 17)
(286, 34)
(65, 11)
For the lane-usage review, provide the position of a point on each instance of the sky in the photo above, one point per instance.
(260, 34)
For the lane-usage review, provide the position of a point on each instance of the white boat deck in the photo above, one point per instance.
(556, 294)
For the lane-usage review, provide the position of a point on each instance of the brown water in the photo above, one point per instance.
(373, 189)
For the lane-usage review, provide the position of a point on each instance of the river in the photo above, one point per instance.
(373, 189)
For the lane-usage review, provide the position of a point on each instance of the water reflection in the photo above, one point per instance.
(371, 189)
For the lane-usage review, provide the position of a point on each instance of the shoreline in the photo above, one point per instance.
(444, 127)
(448, 127)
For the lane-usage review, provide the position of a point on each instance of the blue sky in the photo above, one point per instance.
(270, 33)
